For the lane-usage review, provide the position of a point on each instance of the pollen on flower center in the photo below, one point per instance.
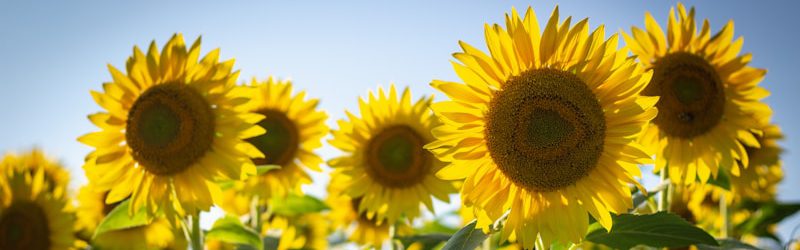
(396, 157)
(281, 141)
(545, 129)
(692, 95)
(24, 225)
(170, 126)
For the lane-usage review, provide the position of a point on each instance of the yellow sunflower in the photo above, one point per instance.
(386, 167)
(296, 128)
(344, 215)
(307, 231)
(544, 125)
(55, 175)
(709, 107)
(31, 216)
(159, 234)
(173, 126)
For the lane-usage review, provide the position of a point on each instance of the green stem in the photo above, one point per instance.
(664, 195)
(255, 214)
(197, 242)
(726, 218)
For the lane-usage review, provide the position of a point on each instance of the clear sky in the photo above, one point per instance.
(54, 53)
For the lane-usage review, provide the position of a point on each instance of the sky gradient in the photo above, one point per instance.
(54, 53)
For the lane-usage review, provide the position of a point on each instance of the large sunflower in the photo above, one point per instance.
(159, 234)
(295, 129)
(386, 167)
(173, 126)
(31, 215)
(546, 126)
(709, 107)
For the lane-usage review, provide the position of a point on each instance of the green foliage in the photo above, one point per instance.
(467, 238)
(723, 180)
(429, 241)
(727, 244)
(118, 219)
(765, 214)
(656, 230)
(294, 205)
(229, 229)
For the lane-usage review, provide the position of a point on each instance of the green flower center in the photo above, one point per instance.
(396, 157)
(170, 127)
(280, 143)
(545, 129)
(23, 225)
(692, 97)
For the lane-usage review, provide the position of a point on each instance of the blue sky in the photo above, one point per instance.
(54, 53)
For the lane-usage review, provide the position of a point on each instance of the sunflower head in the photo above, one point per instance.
(32, 215)
(385, 165)
(307, 231)
(56, 176)
(709, 106)
(544, 125)
(173, 125)
(345, 215)
(296, 126)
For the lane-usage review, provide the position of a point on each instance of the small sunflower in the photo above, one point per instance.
(709, 106)
(296, 128)
(56, 177)
(173, 126)
(31, 215)
(546, 126)
(758, 181)
(307, 231)
(344, 215)
(92, 209)
(388, 171)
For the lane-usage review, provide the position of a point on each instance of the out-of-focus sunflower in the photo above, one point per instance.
(92, 209)
(56, 177)
(386, 167)
(709, 106)
(307, 231)
(295, 127)
(173, 126)
(546, 126)
(31, 215)
(344, 215)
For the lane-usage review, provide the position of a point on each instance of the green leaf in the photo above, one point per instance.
(118, 219)
(722, 180)
(271, 243)
(229, 229)
(429, 241)
(727, 244)
(466, 238)
(294, 205)
(766, 214)
(262, 169)
(656, 230)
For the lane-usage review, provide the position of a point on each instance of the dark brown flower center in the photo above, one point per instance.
(692, 97)
(545, 129)
(170, 127)
(24, 225)
(396, 157)
(281, 141)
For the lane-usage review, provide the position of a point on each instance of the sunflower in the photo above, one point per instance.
(344, 215)
(156, 235)
(307, 231)
(56, 177)
(546, 126)
(31, 216)
(386, 166)
(174, 125)
(709, 106)
(296, 128)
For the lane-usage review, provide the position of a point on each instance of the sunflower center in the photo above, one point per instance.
(281, 141)
(545, 129)
(692, 95)
(170, 126)
(396, 158)
(23, 225)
